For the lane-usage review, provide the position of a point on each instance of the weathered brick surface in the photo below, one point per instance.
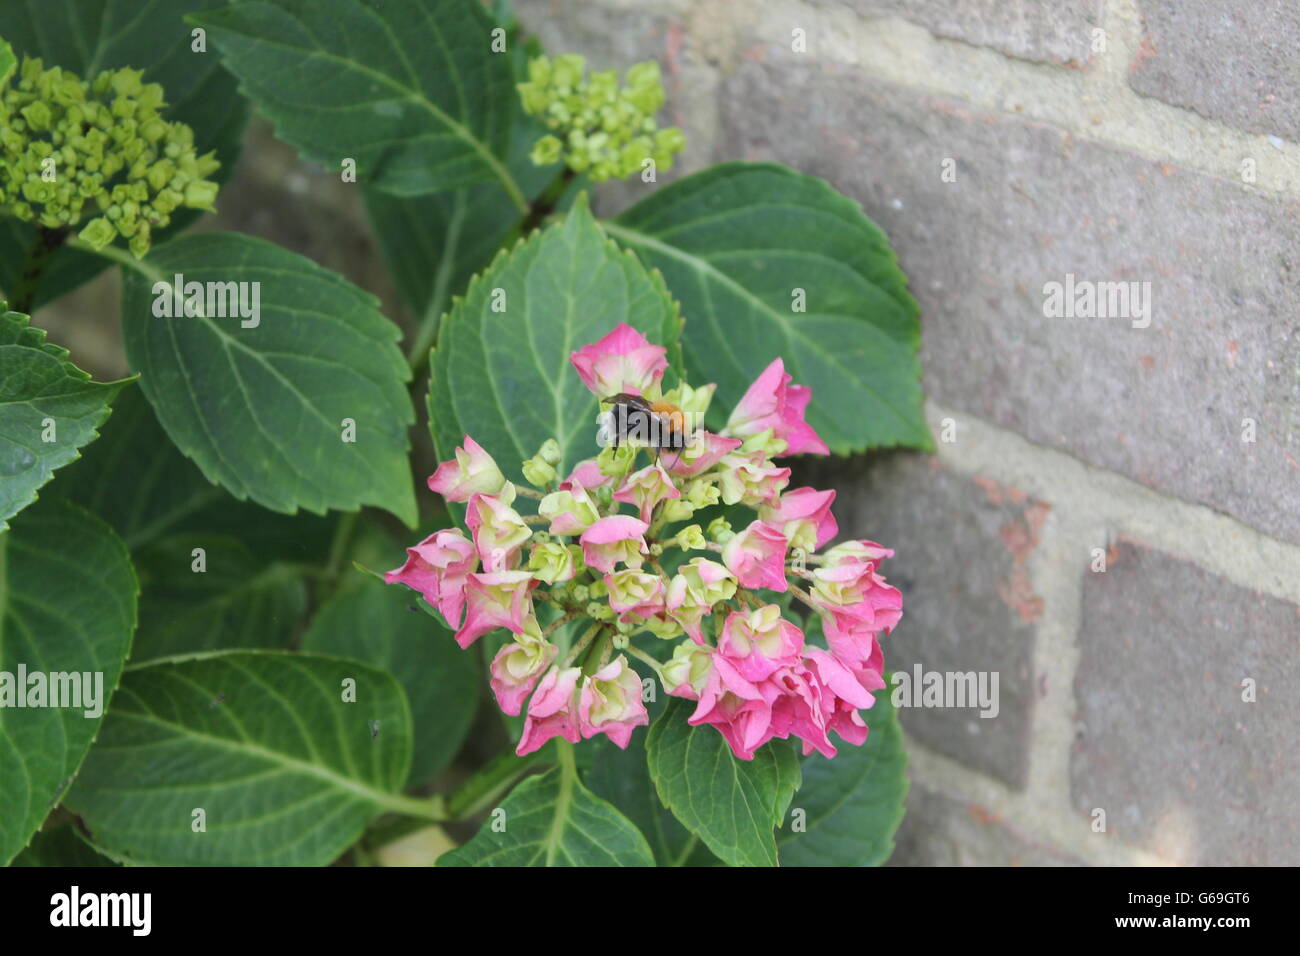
(1058, 31)
(1166, 746)
(963, 549)
(1031, 204)
(1233, 62)
(941, 831)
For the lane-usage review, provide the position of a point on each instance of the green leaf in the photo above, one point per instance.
(734, 242)
(88, 36)
(409, 89)
(67, 604)
(61, 846)
(239, 600)
(553, 820)
(731, 804)
(434, 244)
(286, 771)
(504, 376)
(854, 802)
(42, 395)
(261, 409)
(375, 624)
(623, 778)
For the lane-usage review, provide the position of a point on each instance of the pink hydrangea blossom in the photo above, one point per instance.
(756, 556)
(773, 403)
(635, 593)
(495, 599)
(646, 488)
(757, 643)
(622, 361)
(517, 666)
(438, 568)
(499, 531)
(694, 589)
(750, 478)
(804, 516)
(610, 703)
(587, 474)
(701, 455)
(852, 594)
(614, 539)
(552, 711)
(570, 510)
(473, 471)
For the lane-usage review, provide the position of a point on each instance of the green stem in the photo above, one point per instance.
(487, 785)
(418, 354)
(686, 851)
(646, 659)
(338, 547)
(426, 808)
(582, 643)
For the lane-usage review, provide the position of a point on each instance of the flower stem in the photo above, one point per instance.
(646, 659)
(582, 643)
(487, 785)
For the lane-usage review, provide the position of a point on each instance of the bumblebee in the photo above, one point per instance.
(657, 425)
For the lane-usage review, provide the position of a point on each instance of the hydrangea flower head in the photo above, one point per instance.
(593, 574)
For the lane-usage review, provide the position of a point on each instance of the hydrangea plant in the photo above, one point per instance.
(681, 645)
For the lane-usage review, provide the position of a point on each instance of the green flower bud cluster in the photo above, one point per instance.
(600, 128)
(96, 156)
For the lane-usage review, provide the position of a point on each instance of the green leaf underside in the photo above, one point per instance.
(553, 820)
(410, 89)
(731, 804)
(373, 623)
(504, 378)
(260, 410)
(38, 385)
(734, 242)
(287, 772)
(87, 36)
(67, 603)
(854, 802)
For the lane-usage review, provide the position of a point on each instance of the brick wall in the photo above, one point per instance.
(1135, 140)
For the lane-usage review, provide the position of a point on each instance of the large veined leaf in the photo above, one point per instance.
(501, 370)
(433, 244)
(286, 771)
(410, 89)
(852, 804)
(378, 625)
(87, 36)
(67, 605)
(736, 243)
(553, 820)
(730, 804)
(49, 409)
(262, 409)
